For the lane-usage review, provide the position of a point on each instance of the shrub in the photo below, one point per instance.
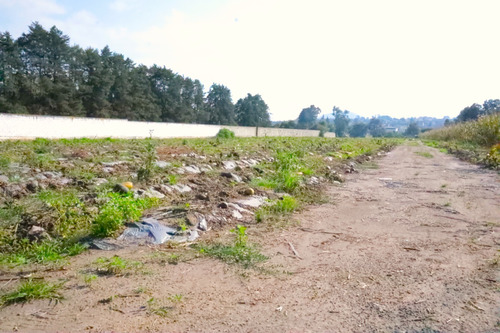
(224, 133)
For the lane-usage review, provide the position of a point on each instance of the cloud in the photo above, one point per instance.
(123, 5)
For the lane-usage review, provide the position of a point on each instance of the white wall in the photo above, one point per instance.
(30, 126)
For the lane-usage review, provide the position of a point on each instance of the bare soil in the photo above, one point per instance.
(408, 246)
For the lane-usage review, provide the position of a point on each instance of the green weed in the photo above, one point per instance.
(148, 169)
(31, 290)
(119, 209)
(224, 133)
(115, 265)
(424, 154)
(277, 209)
(240, 253)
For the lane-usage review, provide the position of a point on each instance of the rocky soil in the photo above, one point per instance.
(408, 246)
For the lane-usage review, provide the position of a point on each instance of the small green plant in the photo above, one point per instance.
(240, 252)
(224, 133)
(241, 237)
(424, 154)
(175, 298)
(173, 179)
(31, 290)
(147, 170)
(89, 278)
(277, 209)
(115, 265)
(173, 259)
(154, 307)
(119, 209)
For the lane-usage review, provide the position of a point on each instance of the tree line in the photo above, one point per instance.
(41, 74)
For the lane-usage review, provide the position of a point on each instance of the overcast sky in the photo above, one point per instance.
(372, 57)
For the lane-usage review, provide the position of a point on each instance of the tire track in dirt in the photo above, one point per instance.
(405, 247)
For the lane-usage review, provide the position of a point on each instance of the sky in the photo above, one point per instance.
(402, 58)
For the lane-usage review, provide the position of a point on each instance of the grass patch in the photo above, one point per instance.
(424, 154)
(240, 252)
(277, 210)
(119, 209)
(116, 265)
(31, 290)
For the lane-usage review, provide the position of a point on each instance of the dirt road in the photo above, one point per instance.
(407, 246)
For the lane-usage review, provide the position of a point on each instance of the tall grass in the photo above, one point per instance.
(484, 132)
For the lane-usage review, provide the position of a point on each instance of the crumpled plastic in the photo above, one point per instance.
(152, 231)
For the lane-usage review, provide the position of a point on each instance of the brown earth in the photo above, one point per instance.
(405, 247)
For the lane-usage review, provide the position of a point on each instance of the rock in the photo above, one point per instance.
(182, 188)
(232, 176)
(100, 181)
(112, 164)
(15, 191)
(223, 205)
(107, 170)
(192, 219)
(328, 159)
(313, 181)
(162, 164)
(249, 191)
(192, 169)
(36, 231)
(64, 181)
(40, 176)
(254, 202)
(202, 224)
(4, 180)
(239, 208)
(165, 189)
(52, 174)
(237, 215)
(202, 196)
(120, 188)
(32, 186)
(205, 168)
(151, 193)
(193, 235)
(228, 165)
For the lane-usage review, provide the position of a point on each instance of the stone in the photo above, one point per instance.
(249, 191)
(237, 215)
(239, 208)
(32, 186)
(202, 224)
(203, 196)
(232, 176)
(162, 164)
(52, 174)
(36, 231)
(223, 205)
(254, 202)
(40, 176)
(107, 170)
(192, 169)
(100, 181)
(182, 188)
(120, 188)
(228, 165)
(313, 181)
(205, 168)
(165, 189)
(4, 180)
(152, 193)
(112, 164)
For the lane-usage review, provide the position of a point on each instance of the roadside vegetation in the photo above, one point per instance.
(477, 141)
(58, 196)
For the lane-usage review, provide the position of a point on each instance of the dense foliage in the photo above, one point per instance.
(40, 73)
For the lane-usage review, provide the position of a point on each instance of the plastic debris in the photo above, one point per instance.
(150, 230)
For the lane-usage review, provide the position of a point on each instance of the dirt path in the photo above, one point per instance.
(405, 247)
